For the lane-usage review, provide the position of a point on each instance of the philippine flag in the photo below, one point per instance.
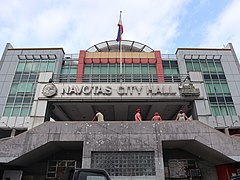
(120, 29)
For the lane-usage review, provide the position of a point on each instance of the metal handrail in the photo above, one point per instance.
(115, 78)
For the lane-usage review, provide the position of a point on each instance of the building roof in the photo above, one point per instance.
(114, 46)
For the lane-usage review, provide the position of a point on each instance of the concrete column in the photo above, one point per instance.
(86, 156)
(40, 106)
(159, 164)
(13, 132)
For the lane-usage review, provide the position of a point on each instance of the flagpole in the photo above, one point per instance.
(120, 44)
(119, 39)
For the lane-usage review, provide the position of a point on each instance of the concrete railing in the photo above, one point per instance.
(120, 135)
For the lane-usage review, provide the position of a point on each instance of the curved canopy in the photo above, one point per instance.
(113, 46)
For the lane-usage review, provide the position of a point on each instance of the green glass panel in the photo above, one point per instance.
(20, 67)
(18, 99)
(212, 89)
(22, 87)
(232, 110)
(43, 67)
(64, 70)
(204, 67)
(28, 67)
(189, 66)
(50, 66)
(118, 69)
(25, 77)
(73, 71)
(219, 67)
(96, 69)
(14, 89)
(212, 67)
(7, 111)
(27, 100)
(215, 110)
(30, 87)
(112, 69)
(152, 69)
(136, 69)
(217, 88)
(128, 69)
(87, 69)
(196, 66)
(175, 71)
(167, 70)
(207, 87)
(33, 77)
(144, 69)
(223, 110)
(15, 111)
(26, 104)
(104, 69)
(24, 111)
(225, 88)
(35, 67)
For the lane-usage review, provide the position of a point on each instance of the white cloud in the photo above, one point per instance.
(79, 24)
(225, 28)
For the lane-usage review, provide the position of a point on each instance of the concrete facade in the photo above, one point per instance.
(46, 120)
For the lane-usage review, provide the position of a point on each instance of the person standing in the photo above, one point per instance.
(181, 116)
(156, 117)
(138, 116)
(99, 116)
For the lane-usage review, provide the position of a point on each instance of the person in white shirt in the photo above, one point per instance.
(181, 116)
(99, 116)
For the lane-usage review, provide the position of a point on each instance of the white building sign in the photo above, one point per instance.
(121, 90)
(112, 91)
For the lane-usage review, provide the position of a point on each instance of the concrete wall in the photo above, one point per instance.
(194, 137)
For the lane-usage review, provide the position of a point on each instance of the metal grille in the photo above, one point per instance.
(125, 163)
(182, 168)
(116, 78)
(55, 168)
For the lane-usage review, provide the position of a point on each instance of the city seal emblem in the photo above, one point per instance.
(49, 90)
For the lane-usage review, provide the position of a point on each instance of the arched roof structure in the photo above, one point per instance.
(114, 46)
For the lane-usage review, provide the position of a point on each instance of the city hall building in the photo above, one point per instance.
(48, 100)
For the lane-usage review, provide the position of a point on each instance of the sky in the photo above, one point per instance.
(77, 25)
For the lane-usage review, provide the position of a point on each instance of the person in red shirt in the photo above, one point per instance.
(156, 117)
(138, 116)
